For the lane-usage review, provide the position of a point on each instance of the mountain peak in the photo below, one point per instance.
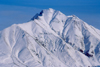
(51, 13)
(51, 9)
(51, 39)
(45, 11)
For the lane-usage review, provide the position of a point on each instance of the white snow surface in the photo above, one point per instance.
(50, 39)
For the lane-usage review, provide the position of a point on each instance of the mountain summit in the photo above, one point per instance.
(50, 39)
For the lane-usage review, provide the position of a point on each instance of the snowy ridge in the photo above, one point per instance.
(50, 39)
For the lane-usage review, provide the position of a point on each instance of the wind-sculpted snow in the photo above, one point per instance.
(50, 39)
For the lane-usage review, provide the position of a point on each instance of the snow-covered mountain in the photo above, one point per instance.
(50, 39)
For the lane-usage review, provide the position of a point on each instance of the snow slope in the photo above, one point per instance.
(72, 30)
(50, 39)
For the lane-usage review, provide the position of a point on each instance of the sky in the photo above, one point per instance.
(21, 11)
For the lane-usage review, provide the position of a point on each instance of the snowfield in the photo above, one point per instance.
(50, 39)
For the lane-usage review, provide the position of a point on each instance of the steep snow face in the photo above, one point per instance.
(73, 30)
(54, 44)
(50, 39)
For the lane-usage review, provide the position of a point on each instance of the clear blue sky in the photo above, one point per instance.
(20, 11)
